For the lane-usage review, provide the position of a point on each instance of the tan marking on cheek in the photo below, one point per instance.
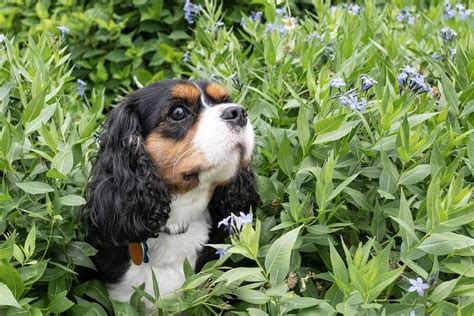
(186, 92)
(174, 159)
(217, 92)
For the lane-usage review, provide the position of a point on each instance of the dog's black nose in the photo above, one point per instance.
(235, 115)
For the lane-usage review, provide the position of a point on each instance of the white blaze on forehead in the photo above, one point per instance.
(220, 143)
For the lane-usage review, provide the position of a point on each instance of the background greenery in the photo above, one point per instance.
(354, 204)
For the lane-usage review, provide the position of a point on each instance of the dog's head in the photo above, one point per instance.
(164, 140)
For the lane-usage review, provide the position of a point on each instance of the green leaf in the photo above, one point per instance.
(339, 269)
(341, 186)
(433, 201)
(252, 296)
(33, 108)
(60, 303)
(414, 175)
(303, 128)
(445, 243)
(345, 129)
(30, 242)
(285, 156)
(443, 290)
(11, 278)
(35, 187)
(43, 117)
(6, 297)
(277, 261)
(72, 200)
(124, 309)
(329, 124)
(450, 92)
(241, 275)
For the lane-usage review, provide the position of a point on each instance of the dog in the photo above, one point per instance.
(174, 159)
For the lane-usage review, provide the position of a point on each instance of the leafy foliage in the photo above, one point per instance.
(357, 202)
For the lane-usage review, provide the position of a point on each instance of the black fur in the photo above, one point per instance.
(127, 201)
(237, 196)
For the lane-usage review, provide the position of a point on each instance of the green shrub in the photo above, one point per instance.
(355, 202)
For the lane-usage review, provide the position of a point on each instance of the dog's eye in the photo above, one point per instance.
(178, 113)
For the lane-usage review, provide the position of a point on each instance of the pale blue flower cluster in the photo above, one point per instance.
(234, 223)
(405, 16)
(459, 9)
(337, 83)
(190, 10)
(312, 36)
(411, 78)
(282, 24)
(351, 98)
(187, 57)
(448, 34)
(367, 82)
(354, 9)
(63, 30)
(2, 38)
(81, 87)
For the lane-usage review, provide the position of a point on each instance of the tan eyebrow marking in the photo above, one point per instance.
(217, 92)
(185, 91)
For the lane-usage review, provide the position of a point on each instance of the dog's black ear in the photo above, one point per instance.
(126, 199)
(239, 195)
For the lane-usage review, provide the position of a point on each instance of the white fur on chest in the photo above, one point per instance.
(167, 252)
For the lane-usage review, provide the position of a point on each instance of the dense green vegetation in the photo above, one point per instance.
(364, 118)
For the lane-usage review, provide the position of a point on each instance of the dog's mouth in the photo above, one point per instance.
(193, 174)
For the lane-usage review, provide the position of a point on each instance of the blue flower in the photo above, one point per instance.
(280, 11)
(418, 286)
(367, 82)
(409, 70)
(187, 57)
(270, 27)
(313, 35)
(452, 52)
(463, 13)
(242, 22)
(336, 83)
(436, 56)
(281, 30)
(255, 16)
(81, 87)
(418, 84)
(221, 252)
(447, 34)
(225, 221)
(351, 100)
(245, 218)
(2, 38)
(354, 9)
(220, 23)
(402, 79)
(190, 10)
(448, 11)
(404, 15)
(63, 30)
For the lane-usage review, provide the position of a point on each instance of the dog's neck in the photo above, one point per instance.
(187, 208)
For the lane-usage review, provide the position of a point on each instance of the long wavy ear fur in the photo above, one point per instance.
(126, 199)
(239, 195)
